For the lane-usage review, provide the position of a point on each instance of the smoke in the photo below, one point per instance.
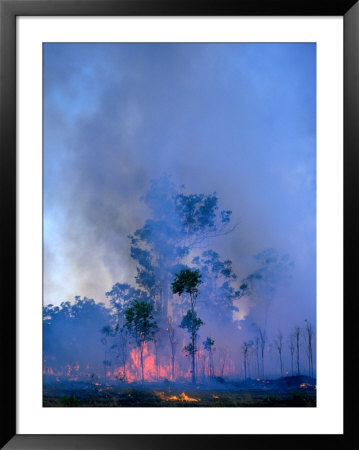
(235, 119)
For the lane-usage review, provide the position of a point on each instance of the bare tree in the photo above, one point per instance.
(208, 345)
(291, 345)
(262, 341)
(309, 333)
(122, 346)
(245, 353)
(157, 356)
(223, 359)
(297, 334)
(107, 334)
(279, 345)
(257, 355)
(173, 344)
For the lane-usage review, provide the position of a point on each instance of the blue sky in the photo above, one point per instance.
(237, 119)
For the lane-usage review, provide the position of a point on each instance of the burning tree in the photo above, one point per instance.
(121, 296)
(141, 325)
(208, 345)
(122, 355)
(188, 281)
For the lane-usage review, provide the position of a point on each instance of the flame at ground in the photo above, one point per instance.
(305, 385)
(176, 398)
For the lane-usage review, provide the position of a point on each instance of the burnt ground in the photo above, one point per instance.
(299, 391)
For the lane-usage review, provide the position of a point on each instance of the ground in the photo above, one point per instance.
(285, 392)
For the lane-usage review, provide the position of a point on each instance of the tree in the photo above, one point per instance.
(173, 343)
(297, 334)
(309, 333)
(141, 325)
(208, 345)
(121, 296)
(107, 333)
(179, 223)
(257, 355)
(279, 346)
(218, 288)
(122, 333)
(245, 352)
(291, 345)
(188, 281)
(262, 341)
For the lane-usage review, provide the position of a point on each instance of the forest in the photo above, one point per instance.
(188, 330)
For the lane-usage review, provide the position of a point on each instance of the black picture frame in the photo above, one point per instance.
(9, 10)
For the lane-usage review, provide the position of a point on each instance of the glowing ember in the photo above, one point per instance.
(179, 398)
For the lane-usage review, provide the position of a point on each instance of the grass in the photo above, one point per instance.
(136, 396)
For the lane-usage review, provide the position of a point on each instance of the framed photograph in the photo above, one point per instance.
(174, 187)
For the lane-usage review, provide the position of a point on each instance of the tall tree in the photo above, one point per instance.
(279, 346)
(291, 345)
(179, 223)
(297, 335)
(208, 345)
(122, 333)
(245, 354)
(309, 333)
(107, 333)
(188, 281)
(141, 325)
(262, 341)
(218, 288)
(173, 344)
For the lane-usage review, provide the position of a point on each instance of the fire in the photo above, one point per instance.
(176, 398)
(215, 396)
(304, 385)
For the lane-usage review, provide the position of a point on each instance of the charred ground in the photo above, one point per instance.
(298, 391)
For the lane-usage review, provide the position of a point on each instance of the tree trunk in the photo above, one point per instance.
(193, 360)
(142, 370)
(173, 367)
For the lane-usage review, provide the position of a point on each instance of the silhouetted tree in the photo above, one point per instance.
(291, 345)
(245, 353)
(309, 333)
(107, 333)
(262, 341)
(208, 345)
(173, 344)
(297, 334)
(141, 325)
(279, 346)
(122, 346)
(188, 281)
(179, 223)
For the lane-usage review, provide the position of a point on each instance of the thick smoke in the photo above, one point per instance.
(234, 123)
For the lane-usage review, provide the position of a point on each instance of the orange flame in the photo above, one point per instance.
(176, 398)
